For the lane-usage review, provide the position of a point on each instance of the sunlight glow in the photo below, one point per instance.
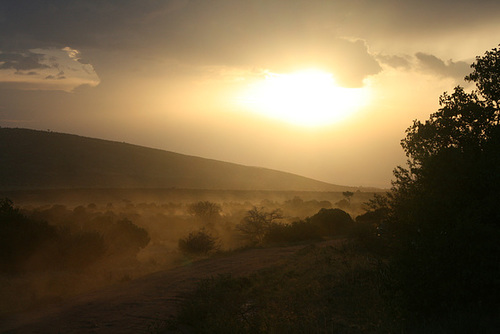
(309, 97)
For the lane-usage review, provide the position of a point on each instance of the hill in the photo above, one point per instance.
(32, 159)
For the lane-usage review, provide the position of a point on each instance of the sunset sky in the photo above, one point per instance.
(323, 89)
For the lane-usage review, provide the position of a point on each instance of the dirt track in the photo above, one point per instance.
(132, 307)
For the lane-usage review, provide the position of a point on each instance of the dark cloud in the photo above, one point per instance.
(30, 73)
(418, 18)
(58, 76)
(432, 64)
(427, 63)
(194, 24)
(22, 61)
(31, 68)
(274, 34)
(90, 23)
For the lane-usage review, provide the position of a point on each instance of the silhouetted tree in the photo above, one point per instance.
(444, 205)
(124, 238)
(377, 211)
(28, 244)
(332, 221)
(348, 195)
(208, 212)
(257, 223)
(199, 243)
(20, 237)
(295, 202)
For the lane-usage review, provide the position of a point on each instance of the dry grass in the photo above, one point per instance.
(332, 289)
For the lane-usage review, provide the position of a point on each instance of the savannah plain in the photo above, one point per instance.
(340, 166)
(140, 282)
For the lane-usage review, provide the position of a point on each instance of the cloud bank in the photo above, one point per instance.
(46, 69)
(275, 35)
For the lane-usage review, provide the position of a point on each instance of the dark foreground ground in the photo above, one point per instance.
(136, 306)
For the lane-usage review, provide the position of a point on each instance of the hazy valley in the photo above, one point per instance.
(102, 213)
(100, 236)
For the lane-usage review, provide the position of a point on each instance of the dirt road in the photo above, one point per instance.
(134, 306)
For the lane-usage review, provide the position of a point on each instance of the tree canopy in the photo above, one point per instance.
(453, 158)
(443, 205)
(206, 211)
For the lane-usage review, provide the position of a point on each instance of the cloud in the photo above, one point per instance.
(186, 24)
(26, 73)
(353, 63)
(432, 64)
(277, 35)
(21, 61)
(90, 23)
(409, 20)
(62, 65)
(59, 76)
(398, 62)
(72, 53)
(348, 60)
(273, 35)
(427, 64)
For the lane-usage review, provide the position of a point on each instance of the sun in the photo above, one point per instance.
(309, 97)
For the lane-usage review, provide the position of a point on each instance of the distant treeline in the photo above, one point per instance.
(30, 244)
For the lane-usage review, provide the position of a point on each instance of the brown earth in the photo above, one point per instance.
(135, 306)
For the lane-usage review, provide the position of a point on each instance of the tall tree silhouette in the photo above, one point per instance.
(444, 215)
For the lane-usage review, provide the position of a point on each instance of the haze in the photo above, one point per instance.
(225, 79)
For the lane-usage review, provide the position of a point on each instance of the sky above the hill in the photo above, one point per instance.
(323, 89)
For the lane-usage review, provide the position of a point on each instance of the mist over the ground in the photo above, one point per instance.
(79, 246)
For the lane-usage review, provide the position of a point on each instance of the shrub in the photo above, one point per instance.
(256, 224)
(126, 238)
(199, 243)
(31, 245)
(20, 237)
(332, 222)
(79, 250)
(208, 212)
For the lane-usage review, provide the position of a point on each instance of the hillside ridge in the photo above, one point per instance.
(35, 159)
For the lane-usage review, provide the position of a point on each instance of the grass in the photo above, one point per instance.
(320, 290)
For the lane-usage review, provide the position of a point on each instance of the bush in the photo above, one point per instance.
(256, 224)
(31, 245)
(199, 243)
(452, 272)
(125, 238)
(206, 211)
(332, 222)
(20, 237)
(79, 250)
(261, 227)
